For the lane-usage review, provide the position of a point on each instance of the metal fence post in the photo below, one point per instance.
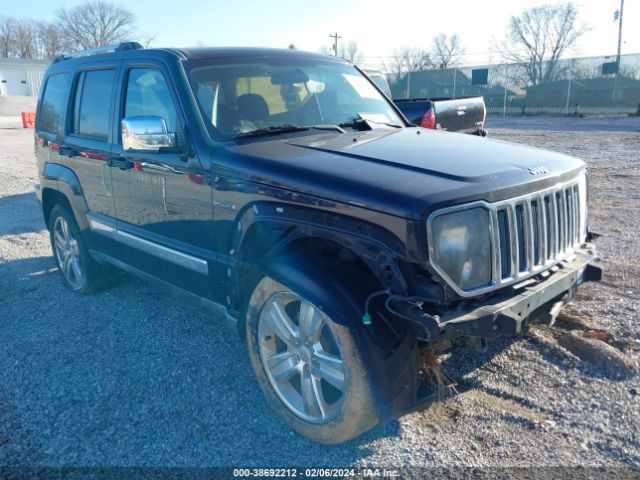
(409, 84)
(504, 105)
(454, 82)
(566, 108)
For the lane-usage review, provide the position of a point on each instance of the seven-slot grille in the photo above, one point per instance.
(528, 234)
(533, 232)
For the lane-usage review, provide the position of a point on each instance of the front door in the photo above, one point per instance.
(163, 199)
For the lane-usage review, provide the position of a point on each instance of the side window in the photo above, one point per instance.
(92, 103)
(53, 102)
(148, 94)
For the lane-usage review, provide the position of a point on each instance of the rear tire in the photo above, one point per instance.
(309, 367)
(80, 272)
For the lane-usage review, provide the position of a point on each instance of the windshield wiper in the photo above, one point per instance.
(356, 122)
(337, 128)
(287, 128)
(276, 130)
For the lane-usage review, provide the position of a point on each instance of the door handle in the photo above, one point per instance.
(66, 151)
(121, 163)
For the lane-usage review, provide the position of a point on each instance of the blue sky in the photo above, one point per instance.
(378, 26)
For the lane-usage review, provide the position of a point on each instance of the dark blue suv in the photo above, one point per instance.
(285, 191)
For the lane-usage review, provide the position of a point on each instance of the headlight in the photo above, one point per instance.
(461, 247)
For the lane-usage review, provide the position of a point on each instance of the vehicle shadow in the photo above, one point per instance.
(465, 359)
(135, 375)
(20, 213)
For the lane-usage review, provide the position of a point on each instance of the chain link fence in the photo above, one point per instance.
(566, 87)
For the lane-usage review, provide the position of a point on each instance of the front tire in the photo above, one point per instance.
(309, 367)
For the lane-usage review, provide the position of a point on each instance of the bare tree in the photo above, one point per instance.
(326, 50)
(51, 41)
(26, 38)
(96, 23)
(539, 36)
(408, 59)
(146, 39)
(19, 38)
(7, 36)
(351, 52)
(92, 24)
(447, 50)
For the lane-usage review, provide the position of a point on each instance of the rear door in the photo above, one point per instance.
(88, 141)
(163, 199)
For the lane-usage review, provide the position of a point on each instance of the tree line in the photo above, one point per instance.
(84, 26)
(446, 51)
(536, 39)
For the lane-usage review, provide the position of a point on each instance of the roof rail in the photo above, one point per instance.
(119, 47)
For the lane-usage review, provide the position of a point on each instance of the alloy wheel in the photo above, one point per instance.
(301, 357)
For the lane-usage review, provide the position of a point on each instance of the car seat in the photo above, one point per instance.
(253, 107)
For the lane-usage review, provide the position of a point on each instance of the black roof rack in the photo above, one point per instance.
(120, 47)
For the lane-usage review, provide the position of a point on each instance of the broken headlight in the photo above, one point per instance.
(460, 247)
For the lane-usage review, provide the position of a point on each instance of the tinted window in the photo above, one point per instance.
(93, 99)
(53, 102)
(148, 94)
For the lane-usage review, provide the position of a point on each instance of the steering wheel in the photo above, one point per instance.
(230, 122)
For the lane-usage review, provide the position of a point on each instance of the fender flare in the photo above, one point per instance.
(62, 179)
(377, 247)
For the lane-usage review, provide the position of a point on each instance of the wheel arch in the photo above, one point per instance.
(307, 241)
(61, 186)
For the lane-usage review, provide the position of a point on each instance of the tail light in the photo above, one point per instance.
(428, 119)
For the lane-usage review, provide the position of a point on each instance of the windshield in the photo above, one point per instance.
(238, 98)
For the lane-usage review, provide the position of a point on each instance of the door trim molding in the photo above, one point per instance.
(176, 257)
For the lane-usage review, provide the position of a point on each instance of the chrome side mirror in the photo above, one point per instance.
(146, 134)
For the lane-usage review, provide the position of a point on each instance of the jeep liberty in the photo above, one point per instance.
(284, 191)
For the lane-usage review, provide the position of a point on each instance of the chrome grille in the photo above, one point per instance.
(529, 234)
(533, 232)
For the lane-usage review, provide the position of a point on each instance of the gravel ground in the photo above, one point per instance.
(135, 376)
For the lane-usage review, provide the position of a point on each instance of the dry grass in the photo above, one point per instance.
(433, 370)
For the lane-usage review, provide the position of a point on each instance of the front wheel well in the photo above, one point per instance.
(303, 252)
(314, 267)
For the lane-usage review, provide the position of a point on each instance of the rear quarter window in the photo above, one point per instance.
(92, 103)
(54, 100)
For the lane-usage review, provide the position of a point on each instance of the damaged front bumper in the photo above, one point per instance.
(506, 312)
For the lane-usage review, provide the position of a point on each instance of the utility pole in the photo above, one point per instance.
(335, 37)
(618, 16)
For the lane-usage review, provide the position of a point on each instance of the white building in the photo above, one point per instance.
(21, 77)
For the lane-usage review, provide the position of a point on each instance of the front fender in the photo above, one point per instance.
(283, 224)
